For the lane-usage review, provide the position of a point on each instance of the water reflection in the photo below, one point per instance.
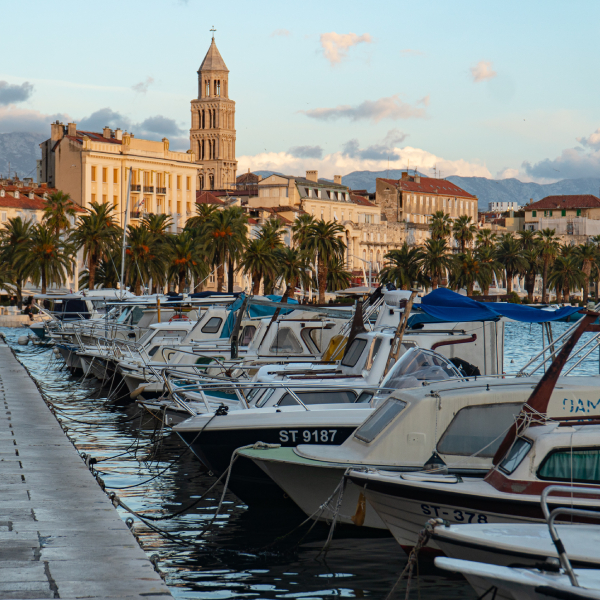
(239, 555)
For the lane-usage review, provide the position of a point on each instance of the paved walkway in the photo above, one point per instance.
(60, 536)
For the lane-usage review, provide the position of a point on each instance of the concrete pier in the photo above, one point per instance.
(60, 536)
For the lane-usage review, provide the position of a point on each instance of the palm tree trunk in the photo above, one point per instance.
(596, 286)
(509, 282)
(544, 281)
(322, 280)
(558, 294)
(256, 284)
(566, 295)
(181, 282)
(469, 290)
(586, 288)
(230, 277)
(19, 292)
(91, 271)
(434, 282)
(220, 277)
(43, 280)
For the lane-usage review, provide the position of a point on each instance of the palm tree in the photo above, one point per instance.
(440, 225)
(338, 277)
(596, 268)
(45, 257)
(224, 237)
(59, 207)
(204, 213)
(566, 275)
(323, 244)
(588, 255)
(146, 258)
(528, 239)
(435, 260)
(486, 238)
(404, 267)
(258, 260)
(293, 267)
(548, 249)
(487, 255)
(13, 236)
(97, 234)
(108, 271)
(158, 225)
(509, 254)
(464, 231)
(300, 228)
(532, 256)
(467, 270)
(186, 259)
(270, 233)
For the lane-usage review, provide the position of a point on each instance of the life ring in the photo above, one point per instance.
(179, 318)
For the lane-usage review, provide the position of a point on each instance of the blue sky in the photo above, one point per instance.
(474, 88)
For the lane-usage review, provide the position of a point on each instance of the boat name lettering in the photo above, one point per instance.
(460, 516)
(579, 406)
(323, 436)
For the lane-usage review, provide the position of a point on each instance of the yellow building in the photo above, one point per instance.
(94, 167)
(22, 198)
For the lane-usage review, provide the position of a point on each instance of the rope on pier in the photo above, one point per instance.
(413, 557)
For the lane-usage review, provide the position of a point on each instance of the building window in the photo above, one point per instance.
(563, 213)
(578, 212)
(188, 208)
(217, 88)
(115, 201)
(550, 213)
(93, 197)
(4, 217)
(104, 174)
(93, 173)
(178, 182)
(188, 183)
(104, 199)
(207, 88)
(115, 175)
(534, 213)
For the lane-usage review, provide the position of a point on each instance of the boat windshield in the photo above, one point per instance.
(415, 367)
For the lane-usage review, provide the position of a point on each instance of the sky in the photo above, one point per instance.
(490, 89)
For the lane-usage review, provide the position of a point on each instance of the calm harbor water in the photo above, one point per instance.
(239, 555)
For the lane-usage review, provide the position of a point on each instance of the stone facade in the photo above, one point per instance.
(212, 134)
(414, 198)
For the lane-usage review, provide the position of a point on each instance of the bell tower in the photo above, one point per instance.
(212, 135)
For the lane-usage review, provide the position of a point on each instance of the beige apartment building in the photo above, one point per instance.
(24, 199)
(95, 167)
(412, 199)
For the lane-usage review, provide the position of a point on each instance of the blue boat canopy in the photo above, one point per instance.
(447, 306)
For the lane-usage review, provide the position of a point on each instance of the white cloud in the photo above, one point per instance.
(350, 159)
(142, 86)
(12, 92)
(483, 71)
(411, 52)
(375, 110)
(281, 33)
(30, 121)
(336, 45)
(592, 141)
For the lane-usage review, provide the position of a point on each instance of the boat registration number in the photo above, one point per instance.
(316, 436)
(460, 516)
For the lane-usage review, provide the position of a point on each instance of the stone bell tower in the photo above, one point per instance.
(212, 135)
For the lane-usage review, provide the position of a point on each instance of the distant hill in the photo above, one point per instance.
(21, 150)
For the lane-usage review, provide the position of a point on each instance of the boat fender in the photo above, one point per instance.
(56, 351)
(23, 340)
(361, 509)
(137, 392)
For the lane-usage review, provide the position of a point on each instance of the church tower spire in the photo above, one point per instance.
(212, 135)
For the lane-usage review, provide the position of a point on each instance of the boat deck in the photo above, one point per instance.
(60, 536)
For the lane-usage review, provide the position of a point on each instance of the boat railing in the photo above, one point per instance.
(551, 516)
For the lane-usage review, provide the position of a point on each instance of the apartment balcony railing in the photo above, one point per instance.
(161, 190)
(136, 188)
(135, 214)
(149, 188)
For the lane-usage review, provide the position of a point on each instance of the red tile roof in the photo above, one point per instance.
(207, 198)
(23, 202)
(564, 202)
(429, 185)
(361, 201)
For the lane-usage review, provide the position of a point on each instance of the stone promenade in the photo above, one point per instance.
(60, 536)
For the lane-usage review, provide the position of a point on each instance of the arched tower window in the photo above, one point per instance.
(203, 120)
(201, 182)
(211, 181)
(206, 88)
(217, 87)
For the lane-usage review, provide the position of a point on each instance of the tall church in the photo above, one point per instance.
(212, 136)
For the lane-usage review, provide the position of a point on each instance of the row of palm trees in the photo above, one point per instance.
(484, 255)
(214, 240)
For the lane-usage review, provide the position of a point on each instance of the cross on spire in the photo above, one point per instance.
(213, 31)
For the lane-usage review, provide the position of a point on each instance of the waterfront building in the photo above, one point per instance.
(500, 207)
(94, 167)
(23, 198)
(212, 133)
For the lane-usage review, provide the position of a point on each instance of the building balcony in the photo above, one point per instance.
(135, 214)
(136, 188)
(161, 190)
(149, 189)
